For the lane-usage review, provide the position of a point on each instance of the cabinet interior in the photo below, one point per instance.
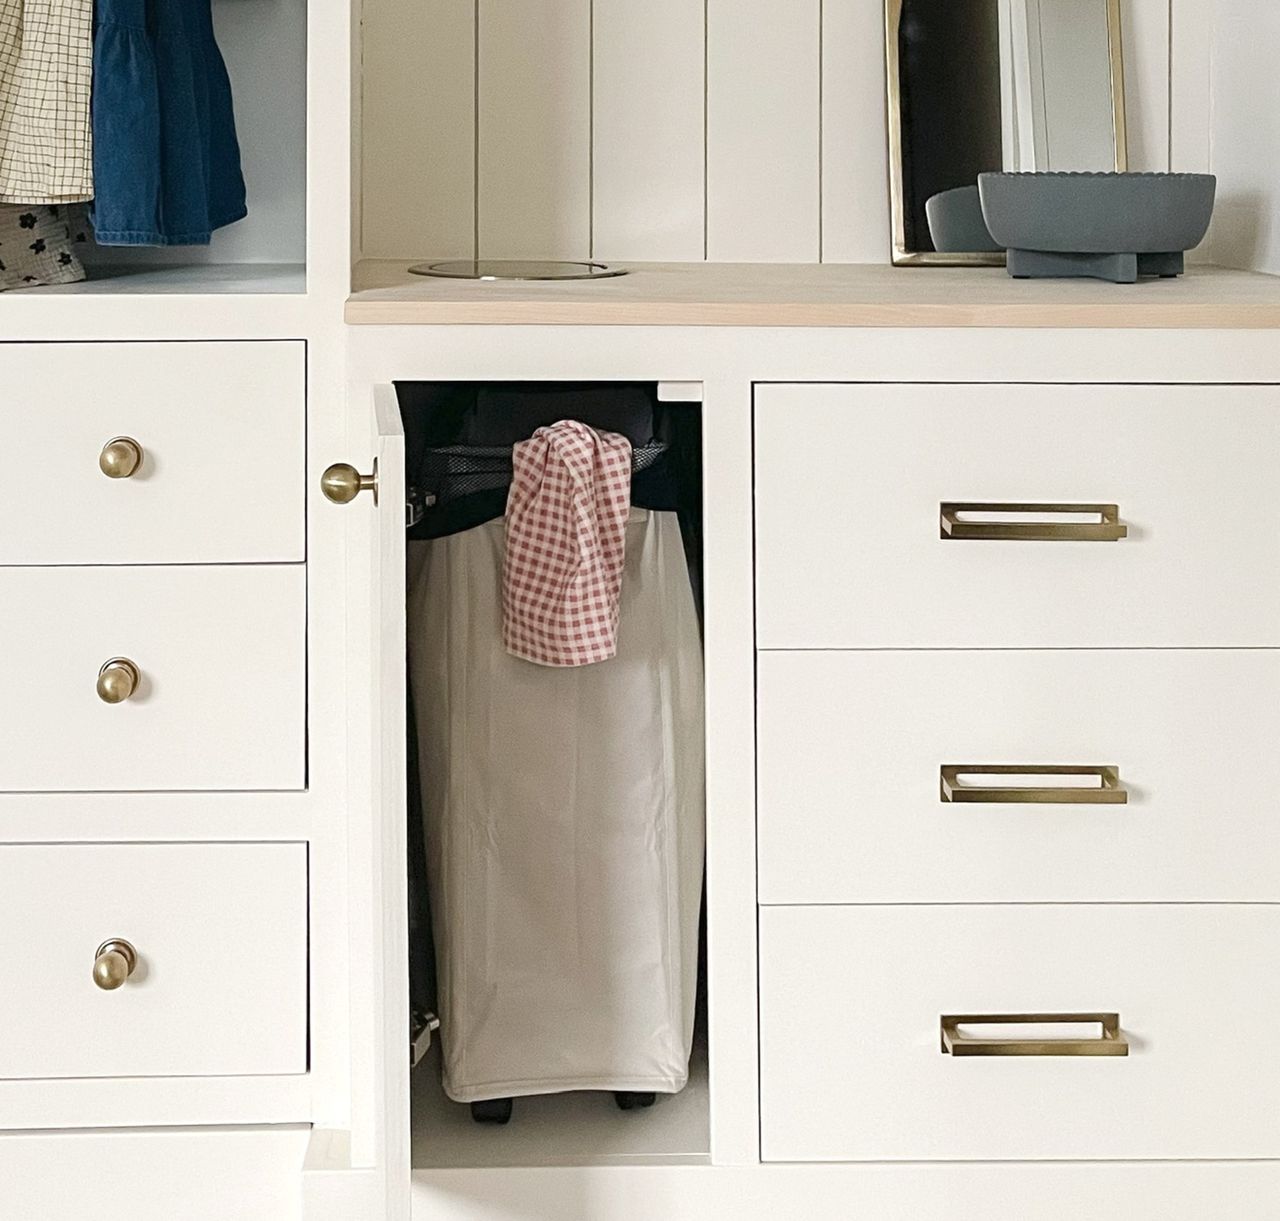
(265, 45)
(568, 1128)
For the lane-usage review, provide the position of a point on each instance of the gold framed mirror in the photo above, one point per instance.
(979, 85)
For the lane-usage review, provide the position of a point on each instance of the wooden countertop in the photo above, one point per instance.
(822, 295)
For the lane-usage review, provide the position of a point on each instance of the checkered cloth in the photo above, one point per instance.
(46, 71)
(566, 542)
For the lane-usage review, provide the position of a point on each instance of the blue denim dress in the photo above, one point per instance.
(166, 162)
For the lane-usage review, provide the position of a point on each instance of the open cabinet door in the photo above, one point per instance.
(388, 702)
(375, 539)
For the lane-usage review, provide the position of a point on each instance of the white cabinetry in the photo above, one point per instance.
(1065, 590)
(153, 565)
(219, 987)
(220, 699)
(852, 807)
(884, 651)
(852, 553)
(240, 1174)
(853, 1068)
(218, 477)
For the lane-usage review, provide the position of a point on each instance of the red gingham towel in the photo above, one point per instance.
(566, 538)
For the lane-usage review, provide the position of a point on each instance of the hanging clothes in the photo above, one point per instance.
(566, 537)
(166, 161)
(46, 68)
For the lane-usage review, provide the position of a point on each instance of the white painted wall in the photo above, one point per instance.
(1244, 135)
(264, 43)
(1225, 108)
(736, 130)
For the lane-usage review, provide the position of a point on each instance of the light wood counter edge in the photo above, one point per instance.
(819, 295)
(764, 314)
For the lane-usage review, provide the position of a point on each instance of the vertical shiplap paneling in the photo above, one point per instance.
(792, 109)
(763, 69)
(535, 128)
(356, 132)
(1190, 85)
(1145, 24)
(1191, 92)
(417, 151)
(855, 161)
(649, 91)
(1245, 136)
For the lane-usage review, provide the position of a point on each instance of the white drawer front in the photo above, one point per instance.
(220, 986)
(149, 1174)
(850, 480)
(851, 1061)
(221, 655)
(851, 746)
(221, 432)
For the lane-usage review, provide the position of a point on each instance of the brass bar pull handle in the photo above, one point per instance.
(955, 1042)
(1109, 791)
(957, 522)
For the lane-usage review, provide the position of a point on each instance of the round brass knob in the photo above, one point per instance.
(117, 680)
(120, 458)
(342, 483)
(113, 964)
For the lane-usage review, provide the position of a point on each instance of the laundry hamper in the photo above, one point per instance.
(564, 827)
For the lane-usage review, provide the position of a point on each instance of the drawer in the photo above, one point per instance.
(851, 479)
(148, 1174)
(220, 700)
(220, 982)
(852, 1061)
(220, 428)
(851, 747)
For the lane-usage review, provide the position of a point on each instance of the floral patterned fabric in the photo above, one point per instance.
(36, 247)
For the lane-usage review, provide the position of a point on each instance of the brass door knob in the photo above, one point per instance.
(342, 483)
(118, 680)
(113, 964)
(120, 458)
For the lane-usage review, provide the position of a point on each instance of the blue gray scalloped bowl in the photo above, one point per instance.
(956, 224)
(1152, 218)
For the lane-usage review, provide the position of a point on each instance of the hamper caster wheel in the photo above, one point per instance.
(491, 1110)
(628, 1100)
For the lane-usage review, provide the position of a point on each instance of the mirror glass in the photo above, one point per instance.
(979, 85)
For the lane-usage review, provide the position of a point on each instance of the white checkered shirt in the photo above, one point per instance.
(46, 70)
